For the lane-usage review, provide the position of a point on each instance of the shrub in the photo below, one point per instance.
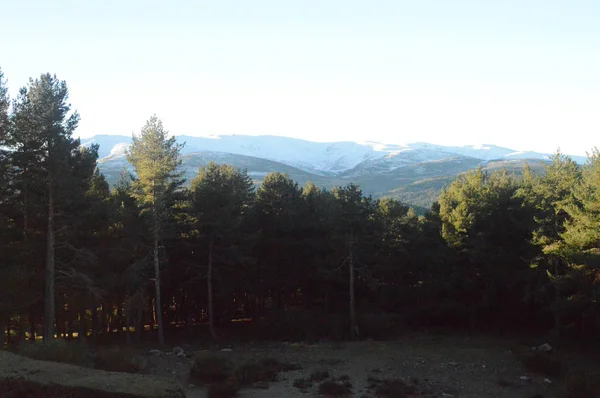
(265, 370)
(118, 360)
(73, 352)
(582, 385)
(504, 383)
(378, 326)
(211, 368)
(224, 380)
(544, 363)
(319, 375)
(254, 371)
(303, 384)
(335, 388)
(299, 326)
(226, 389)
(391, 388)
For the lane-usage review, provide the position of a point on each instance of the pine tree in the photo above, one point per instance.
(354, 216)
(220, 196)
(4, 104)
(156, 158)
(279, 211)
(482, 215)
(549, 195)
(580, 248)
(43, 145)
(128, 273)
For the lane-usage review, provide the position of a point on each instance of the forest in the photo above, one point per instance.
(156, 256)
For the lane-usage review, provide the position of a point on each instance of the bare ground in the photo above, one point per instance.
(437, 366)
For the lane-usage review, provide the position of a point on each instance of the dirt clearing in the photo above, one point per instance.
(423, 366)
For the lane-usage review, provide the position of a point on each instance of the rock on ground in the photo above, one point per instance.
(21, 376)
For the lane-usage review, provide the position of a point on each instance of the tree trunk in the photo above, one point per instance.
(49, 310)
(6, 331)
(128, 318)
(128, 327)
(31, 327)
(82, 333)
(94, 322)
(353, 326)
(119, 318)
(5, 336)
(139, 324)
(211, 320)
(159, 318)
(557, 320)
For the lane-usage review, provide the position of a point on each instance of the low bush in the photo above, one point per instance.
(118, 360)
(582, 385)
(394, 388)
(379, 326)
(335, 388)
(226, 389)
(303, 384)
(543, 363)
(224, 379)
(319, 375)
(211, 368)
(295, 325)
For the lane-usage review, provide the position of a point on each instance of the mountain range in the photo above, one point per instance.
(414, 173)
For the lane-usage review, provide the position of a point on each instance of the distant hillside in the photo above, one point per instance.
(413, 173)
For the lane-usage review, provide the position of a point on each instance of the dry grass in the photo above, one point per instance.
(74, 352)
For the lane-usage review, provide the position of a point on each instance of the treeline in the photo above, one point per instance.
(497, 251)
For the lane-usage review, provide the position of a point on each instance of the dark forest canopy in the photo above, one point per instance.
(500, 251)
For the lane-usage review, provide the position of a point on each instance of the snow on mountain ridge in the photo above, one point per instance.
(323, 157)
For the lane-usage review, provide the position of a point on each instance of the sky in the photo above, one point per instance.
(524, 74)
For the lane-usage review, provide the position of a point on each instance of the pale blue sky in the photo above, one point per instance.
(523, 74)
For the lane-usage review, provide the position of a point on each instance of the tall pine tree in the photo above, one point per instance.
(156, 158)
(43, 144)
(221, 195)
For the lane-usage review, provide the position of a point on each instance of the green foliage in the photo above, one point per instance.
(220, 196)
(482, 215)
(499, 250)
(155, 158)
(4, 104)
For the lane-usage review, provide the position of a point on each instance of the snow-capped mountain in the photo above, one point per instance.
(414, 173)
(330, 158)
